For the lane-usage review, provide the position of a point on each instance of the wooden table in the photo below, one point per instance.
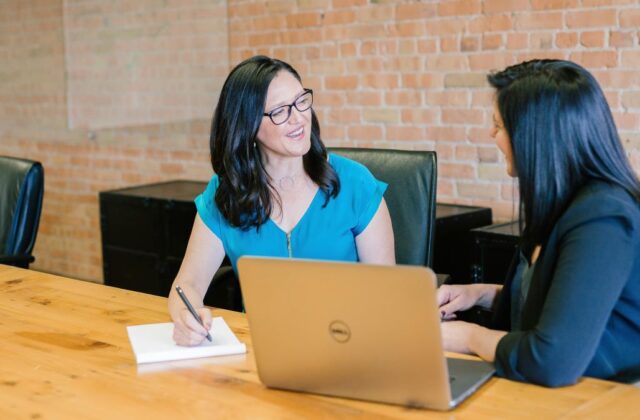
(64, 353)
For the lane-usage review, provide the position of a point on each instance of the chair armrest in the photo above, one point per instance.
(22, 261)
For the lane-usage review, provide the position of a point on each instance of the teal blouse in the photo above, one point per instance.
(323, 233)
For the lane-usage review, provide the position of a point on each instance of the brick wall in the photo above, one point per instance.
(392, 74)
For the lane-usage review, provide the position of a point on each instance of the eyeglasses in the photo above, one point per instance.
(281, 114)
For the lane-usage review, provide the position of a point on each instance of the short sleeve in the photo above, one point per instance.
(207, 208)
(367, 194)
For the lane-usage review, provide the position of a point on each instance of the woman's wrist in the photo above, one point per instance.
(488, 295)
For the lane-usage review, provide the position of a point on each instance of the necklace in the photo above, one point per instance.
(287, 182)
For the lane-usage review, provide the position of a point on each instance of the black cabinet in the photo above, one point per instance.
(145, 231)
(494, 249)
(453, 243)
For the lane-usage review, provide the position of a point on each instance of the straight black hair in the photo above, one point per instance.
(562, 135)
(243, 195)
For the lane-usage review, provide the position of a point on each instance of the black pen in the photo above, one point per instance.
(190, 308)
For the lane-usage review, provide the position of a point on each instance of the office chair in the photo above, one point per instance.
(21, 192)
(410, 197)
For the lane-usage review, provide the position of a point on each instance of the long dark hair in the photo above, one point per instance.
(562, 135)
(243, 196)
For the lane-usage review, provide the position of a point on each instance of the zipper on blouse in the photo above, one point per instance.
(289, 245)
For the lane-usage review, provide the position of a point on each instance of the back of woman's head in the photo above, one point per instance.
(243, 195)
(562, 134)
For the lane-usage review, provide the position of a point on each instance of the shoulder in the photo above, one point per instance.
(212, 186)
(601, 200)
(346, 167)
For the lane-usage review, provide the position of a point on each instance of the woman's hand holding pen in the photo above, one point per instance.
(187, 331)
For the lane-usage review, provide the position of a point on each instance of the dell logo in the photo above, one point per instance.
(339, 331)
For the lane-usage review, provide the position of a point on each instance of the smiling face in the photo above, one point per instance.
(292, 138)
(501, 137)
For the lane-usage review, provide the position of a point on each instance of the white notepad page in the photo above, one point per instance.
(154, 343)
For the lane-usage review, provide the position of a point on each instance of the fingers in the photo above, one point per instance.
(184, 337)
(443, 294)
(205, 316)
(187, 330)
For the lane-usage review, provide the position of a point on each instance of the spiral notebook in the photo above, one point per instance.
(154, 343)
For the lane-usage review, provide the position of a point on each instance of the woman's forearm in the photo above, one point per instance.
(484, 342)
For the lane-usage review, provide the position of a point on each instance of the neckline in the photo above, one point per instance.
(304, 215)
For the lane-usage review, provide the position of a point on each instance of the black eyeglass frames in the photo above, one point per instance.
(281, 114)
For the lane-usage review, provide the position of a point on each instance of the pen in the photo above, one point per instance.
(190, 308)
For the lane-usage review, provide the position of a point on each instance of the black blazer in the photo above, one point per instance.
(582, 314)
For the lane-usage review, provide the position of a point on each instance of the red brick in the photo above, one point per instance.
(364, 132)
(448, 133)
(554, 4)
(462, 116)
(504, 6)
(596, 59)
(303, 20)
(532, 21)
(517, 41)
(339, 17)
(418, 80)
(414, 11)
(592, 39)
(478, 190)
(591, 18)
(541, 41)
(620, 39)
(466, 153)
(491, 41)
(410, 29)
(362, 98)
(426, 46)
(443, 27)
(403, 98)
(380, 80)
(490, 23)
(490, 61)
(458, 7)
(405, 133)
(375, 13)
(456, 170)
(447, 98)
(566, 39)
(630, 18)
(348, 3)
(470, 43)
(449, 44)
(419, 116)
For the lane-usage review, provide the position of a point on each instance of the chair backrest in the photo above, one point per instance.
(21, 192)
(410, 197)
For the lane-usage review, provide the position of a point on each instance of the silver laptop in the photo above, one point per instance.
(360, 331)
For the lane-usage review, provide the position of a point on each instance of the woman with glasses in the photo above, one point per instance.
(276, 191)
(571, 306)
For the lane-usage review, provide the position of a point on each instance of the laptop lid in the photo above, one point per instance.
(351, 330)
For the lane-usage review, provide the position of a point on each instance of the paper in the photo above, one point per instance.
(154, 343)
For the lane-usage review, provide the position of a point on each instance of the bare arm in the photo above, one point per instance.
(203, 257)
(375, 244)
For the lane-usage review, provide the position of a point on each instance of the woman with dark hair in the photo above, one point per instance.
(571, 304)
(275, 191)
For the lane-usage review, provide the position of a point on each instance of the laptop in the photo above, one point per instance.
(361, 331)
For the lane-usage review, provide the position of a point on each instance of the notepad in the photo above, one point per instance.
(154, 343)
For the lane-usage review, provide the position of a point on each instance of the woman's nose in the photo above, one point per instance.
(295, 115)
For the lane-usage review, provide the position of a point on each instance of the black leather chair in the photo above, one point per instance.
(410, 197)
(21, 192)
